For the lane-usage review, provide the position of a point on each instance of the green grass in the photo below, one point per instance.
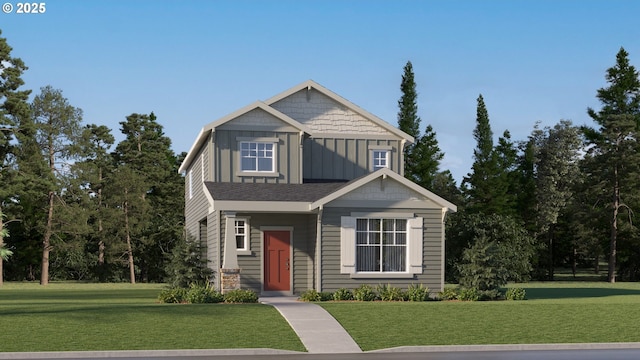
(77, 317)
(566, 312)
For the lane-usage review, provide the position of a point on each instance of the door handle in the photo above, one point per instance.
(287, 264)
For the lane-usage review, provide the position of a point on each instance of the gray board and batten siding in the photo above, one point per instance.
(345, 158)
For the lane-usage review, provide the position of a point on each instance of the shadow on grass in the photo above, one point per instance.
(576, 293)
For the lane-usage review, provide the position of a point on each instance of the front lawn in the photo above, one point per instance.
(76, 317)
(555, 313)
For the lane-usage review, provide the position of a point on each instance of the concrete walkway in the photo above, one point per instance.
(319, 332)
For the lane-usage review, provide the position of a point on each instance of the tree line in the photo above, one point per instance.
(564, 197)
(76, 205)
(73, 203)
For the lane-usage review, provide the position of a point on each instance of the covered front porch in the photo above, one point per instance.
(272, 253)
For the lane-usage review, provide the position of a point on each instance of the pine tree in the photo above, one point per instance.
(13, 108)
(58, 133)
(422, 158)
(147, 152)
(557, 174)
(485, 186)
(92, 173)
(615, 145)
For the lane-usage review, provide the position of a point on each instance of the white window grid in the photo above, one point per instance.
(257, 156)
(380, 159)
(241, 234)
(381, 245)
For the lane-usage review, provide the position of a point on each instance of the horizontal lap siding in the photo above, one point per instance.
(303, 249)
(196, 207)
(332, 279)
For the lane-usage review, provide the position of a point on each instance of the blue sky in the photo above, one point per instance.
(192, 62)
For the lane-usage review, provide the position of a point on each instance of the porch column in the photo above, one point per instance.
(230, 271)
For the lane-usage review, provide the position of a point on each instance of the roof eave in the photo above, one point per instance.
(197, 144)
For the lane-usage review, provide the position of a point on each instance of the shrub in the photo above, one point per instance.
(417, 293)
(469, 294)
(342, 294)
(310, 295)
(173, 296)
(490, 294)
(516, 294)
(202, 294)
(241, 296)
(390, 293)
(364, 293)
(448, 294)
(188, 264)
(326, 296)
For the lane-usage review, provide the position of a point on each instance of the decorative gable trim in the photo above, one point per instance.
(258, 105)
(310, 84)
(383, 174)
(211, 127)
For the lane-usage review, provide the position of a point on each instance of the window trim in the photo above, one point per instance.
(274, 159)
(380, 244)
(379, 148)
(247, 236)
(415, 246)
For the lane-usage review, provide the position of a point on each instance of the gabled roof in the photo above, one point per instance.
(383, 173)
(314, 195)
(211, 127)
(310, 84)
(266, 106)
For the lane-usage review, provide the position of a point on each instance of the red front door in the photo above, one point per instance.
(276, 260)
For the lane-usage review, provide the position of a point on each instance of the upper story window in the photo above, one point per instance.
(257, 156)
(380, 159)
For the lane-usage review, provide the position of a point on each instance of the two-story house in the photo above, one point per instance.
(306, 191)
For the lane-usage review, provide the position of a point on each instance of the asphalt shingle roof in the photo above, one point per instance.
(308, 192)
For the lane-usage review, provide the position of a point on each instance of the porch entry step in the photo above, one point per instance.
(319, 332)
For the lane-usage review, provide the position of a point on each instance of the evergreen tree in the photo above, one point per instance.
(147, 152)
(497, 250)
(557, 174)
(91, 174)
(58, 134)
(614, 146)
(422, 158)
(408, 119)
(487, 186)
(13, 108)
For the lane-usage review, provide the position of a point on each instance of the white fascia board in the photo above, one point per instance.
(258, 105)
(195, 148)
(263, 206)
(385, 173)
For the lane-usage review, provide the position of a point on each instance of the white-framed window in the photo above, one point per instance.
(241, 229)
(257, 156)
(380, 159)
(381, 245)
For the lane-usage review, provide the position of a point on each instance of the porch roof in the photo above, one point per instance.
(307, 192)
